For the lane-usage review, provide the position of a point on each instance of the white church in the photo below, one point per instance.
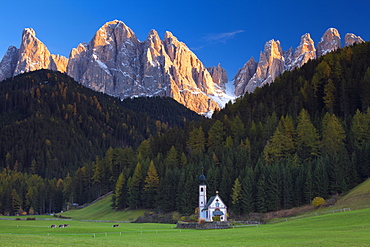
(214, 207)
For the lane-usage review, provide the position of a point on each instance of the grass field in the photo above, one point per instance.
(350, 228)
(339, 229)
(101, 210)
(357, 198)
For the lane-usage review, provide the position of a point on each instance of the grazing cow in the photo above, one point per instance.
(53, 226)
(115, 225)
(61, 226)
(65, 225)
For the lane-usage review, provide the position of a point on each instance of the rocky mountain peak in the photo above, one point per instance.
(219, 76)
(28, 32)
(270, 66)
(304, 52)
(351, 39)
(113, 32)
(117, 63)
(330, 41)
(273, 61)
(244, 75)
(32, 55)
(8, 63)
(154, 41)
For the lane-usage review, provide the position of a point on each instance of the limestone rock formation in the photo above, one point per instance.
(32, 55)
(270, 66)
(244, 75)
(351, 39)
(304, 52)
(109, 63)
(330, 41)
(58, 63)
(8, 63)
(273, 61)
(117, 63)
(219, 76)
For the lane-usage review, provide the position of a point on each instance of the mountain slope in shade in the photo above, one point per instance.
(273, 61)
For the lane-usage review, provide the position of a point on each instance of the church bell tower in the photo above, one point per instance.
(202, 197)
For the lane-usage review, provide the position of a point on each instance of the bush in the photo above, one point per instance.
(317, 201)
(176, 216)
(216, 218)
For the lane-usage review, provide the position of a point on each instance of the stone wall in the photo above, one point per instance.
(203, 226)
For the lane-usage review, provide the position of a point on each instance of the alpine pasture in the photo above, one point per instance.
(349, 228)
(330, 227)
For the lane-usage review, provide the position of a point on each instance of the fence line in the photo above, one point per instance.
(313, 214)
(95, 234)
(36, 219)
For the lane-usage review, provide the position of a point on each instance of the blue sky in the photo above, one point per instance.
(225, 32)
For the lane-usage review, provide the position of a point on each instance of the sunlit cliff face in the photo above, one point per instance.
(34, 55)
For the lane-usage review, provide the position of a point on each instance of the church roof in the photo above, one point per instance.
(209, 203)
(202, 179)
(218, 213)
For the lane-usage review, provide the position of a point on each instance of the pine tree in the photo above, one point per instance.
(320, 179)
(196, 141)
(248, 198)
(151, 184)
(172, 158)
(120, 193)
(167, 189)
(281, 144)
(365, 92)
(308, 185)
(333, 135)
(329, 98)
(261, 196)
(307, 137)
(216, 135)
(16, 202)
(273, 187)
(236, 196)
(135, 188)
(237, 129)
(360, 128)
(287, 187)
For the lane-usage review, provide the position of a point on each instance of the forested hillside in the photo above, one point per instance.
(305, 135)
(50, 126)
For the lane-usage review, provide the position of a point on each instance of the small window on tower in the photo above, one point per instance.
(201, 189)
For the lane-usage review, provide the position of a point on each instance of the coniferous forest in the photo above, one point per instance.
(305, 135)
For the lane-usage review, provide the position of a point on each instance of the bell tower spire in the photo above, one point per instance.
(202, 196)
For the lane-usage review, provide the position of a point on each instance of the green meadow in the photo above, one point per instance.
(101, 210)
(349, 228)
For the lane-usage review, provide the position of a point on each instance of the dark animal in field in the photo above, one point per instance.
(61, 226)
(115, 225)
(65, 225)
(53, 226)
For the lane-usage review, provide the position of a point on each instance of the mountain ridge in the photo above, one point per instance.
(274, 61)
(116, 62)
